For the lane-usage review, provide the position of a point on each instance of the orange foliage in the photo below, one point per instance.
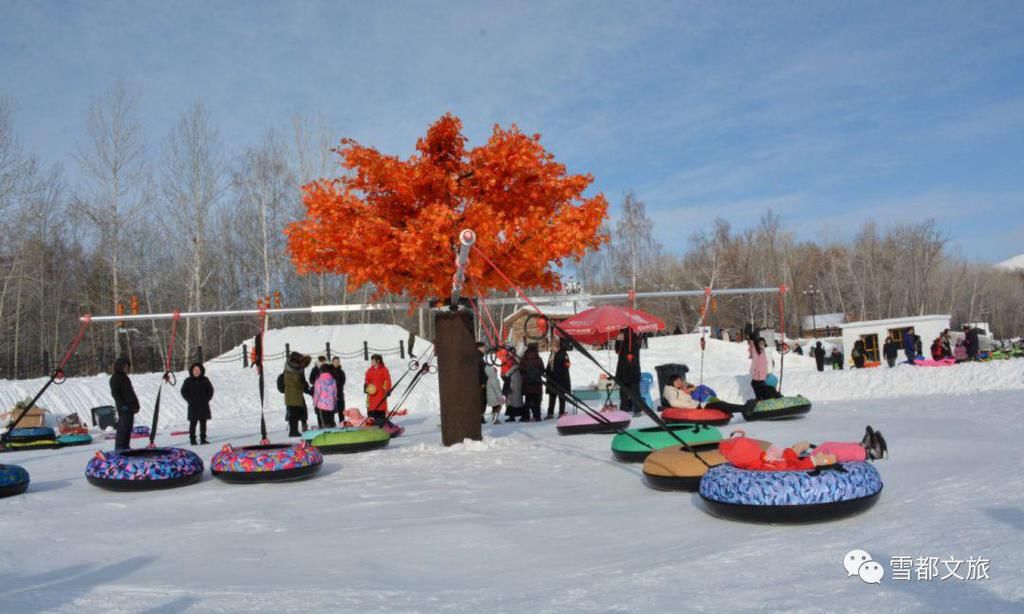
(395, 223)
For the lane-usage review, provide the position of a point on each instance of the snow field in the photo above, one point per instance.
(526, 520)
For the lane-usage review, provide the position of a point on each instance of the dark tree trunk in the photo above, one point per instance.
(457, 377)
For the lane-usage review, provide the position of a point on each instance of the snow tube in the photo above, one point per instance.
(702, 393)
(144, 469)
(348, 441)
(627, 449)
(139, 432)
(13, 480)
(74, 440)
(393, 429)
(825, 493)
(34, 438)
(266, 463)
(945, 362)
(783, 407)
(710, 417)
(29, 435)
(311, 434)
(577, 424)
(676, 468)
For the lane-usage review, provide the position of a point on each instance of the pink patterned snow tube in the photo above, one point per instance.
(574, 424)
(945, 362)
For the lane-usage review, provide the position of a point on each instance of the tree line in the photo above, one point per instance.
(879, 272)
(191, 223)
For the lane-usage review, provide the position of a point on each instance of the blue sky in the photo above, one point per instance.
(830, 113)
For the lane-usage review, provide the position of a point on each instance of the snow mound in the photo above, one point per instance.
(1013, 264)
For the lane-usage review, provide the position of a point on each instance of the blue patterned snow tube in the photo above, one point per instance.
(144, 469)
(825, 493)
(13, 480)
(266, 463)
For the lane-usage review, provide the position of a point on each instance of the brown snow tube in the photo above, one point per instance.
(675, 468)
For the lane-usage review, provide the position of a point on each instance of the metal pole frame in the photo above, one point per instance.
(558, 298)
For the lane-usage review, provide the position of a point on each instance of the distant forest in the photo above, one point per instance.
(190, 223)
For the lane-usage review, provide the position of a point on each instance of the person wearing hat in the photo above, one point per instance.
(295, 389)
(125, 401)
(197, 392)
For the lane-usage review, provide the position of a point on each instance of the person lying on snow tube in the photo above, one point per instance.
(679, 406)
(677, 394)
(746, 453)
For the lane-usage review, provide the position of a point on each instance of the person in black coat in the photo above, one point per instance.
(533, 381)
(481, 376)
(339, 382)
(971, 343)
(197, 392)
(558, 374)
(627, 370)
(321, 363)
(890, 351)
(125, 401)
(819, 356)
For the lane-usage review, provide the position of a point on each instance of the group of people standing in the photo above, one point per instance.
(197, 390)
(326, 385)
(518, 383)
(518, 380)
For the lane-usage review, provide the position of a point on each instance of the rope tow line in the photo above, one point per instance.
(168, 377)
(57, 376)
(703, 343)
(633, 396)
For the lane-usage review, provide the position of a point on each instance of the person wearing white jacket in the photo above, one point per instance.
(676, 395)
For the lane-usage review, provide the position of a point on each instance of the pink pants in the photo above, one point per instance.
(845, 452)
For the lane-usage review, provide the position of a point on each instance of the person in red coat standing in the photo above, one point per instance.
(376, 385)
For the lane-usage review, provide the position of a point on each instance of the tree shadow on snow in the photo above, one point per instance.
(1013, 516)
(52, 589)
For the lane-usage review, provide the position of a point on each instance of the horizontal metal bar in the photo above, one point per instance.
(555, 298)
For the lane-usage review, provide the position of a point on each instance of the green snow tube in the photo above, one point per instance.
(782, 407)
(79, 439)
(628, 450)
(348, 441)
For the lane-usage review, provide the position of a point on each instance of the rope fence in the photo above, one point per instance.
(150, 360)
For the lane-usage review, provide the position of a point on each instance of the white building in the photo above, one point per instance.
(874, 332)
(822, 325)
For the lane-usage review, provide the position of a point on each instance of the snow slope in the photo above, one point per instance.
(526, 520)
(1015, 263)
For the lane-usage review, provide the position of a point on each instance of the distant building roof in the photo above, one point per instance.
(895, 322)
(823, 320)
(557, 311)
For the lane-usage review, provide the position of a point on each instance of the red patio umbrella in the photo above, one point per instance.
(600, 324)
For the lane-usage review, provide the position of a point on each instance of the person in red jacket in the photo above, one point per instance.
(376, 386)
(747, 453)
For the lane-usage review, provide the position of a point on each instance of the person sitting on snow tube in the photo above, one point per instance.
(746, 453)
(677, 394)
(938, 352)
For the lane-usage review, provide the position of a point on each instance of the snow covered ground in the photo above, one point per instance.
(528, 521)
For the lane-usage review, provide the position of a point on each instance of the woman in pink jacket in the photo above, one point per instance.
(759, 369)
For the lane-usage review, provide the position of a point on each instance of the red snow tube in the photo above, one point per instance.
(710, 417)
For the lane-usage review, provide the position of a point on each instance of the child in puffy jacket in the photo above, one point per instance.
(325, 396)
(747, 453)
